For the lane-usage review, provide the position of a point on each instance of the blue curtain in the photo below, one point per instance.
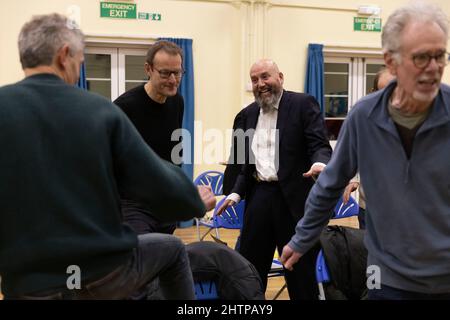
(186, 89)
(314, 73)
(82, 80)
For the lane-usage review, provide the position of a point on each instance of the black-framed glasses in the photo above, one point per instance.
(165, 74)
(421, 60)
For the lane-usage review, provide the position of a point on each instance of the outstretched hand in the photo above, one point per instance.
(314, 171)
(224, 206)
(207, 196)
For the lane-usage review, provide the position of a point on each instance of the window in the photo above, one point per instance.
(112, 71)
(346, 80)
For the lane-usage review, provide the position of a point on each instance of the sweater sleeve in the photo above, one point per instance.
(327, 190)
(157, 184)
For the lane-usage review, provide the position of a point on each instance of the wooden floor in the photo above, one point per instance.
(189, 235)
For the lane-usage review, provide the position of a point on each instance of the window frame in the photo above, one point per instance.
(357, 60)
(118, 47)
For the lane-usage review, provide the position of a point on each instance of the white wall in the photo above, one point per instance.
(228, 36)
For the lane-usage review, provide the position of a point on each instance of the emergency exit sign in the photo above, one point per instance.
(118, 10)
(367, 24)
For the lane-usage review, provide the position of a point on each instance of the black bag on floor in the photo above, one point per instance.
(235, 277)
(346, 258)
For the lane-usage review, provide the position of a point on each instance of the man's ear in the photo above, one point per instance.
(147, 69)
(62, 57)
(391, 62)
(281, 77)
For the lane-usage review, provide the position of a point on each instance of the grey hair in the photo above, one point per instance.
(44, 35)
(422, 11)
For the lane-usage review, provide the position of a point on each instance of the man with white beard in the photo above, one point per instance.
(287, 138)
(399, 140)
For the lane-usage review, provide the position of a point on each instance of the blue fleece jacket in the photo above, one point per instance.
(408, 200)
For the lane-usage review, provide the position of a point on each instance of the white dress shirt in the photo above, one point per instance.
(263, 147)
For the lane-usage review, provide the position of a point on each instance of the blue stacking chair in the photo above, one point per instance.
(214, 179)
(206, 290)
(231, 218)
(341, 210)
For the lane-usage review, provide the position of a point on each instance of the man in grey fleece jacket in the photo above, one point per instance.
(399, 140)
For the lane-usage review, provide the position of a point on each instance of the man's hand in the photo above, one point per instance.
(289, 257)
(352, 186)
(224, 205)
(314, 172)
(207, 197)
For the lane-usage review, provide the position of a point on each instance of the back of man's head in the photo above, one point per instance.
(44, 35)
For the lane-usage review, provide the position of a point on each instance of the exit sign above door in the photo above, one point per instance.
(118, 10)
(367, 24)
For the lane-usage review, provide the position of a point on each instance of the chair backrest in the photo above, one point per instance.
(211, 178)
(232, 217)
(351, 208)
(322, 274)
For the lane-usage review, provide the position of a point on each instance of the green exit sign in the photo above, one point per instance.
(367, 24)
(118, 10)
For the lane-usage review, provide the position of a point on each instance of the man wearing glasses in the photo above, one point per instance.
(399, 139)
(156, 110)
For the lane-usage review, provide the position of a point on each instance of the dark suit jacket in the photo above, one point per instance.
(234, 165)
(302, 142)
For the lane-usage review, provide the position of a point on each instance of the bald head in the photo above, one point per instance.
(267, 83)
(267, 64)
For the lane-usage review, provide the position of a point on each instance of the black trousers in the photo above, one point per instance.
(268, 224)
(142, 221)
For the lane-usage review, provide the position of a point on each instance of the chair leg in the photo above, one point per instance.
(321, 291)
(203, 237)
(280, 291)
(198, 228)
(219, 241)
(217, 233)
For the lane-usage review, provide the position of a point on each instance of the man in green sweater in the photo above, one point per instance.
(68, 156)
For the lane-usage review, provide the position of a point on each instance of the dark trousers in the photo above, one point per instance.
(142, 221)
(390, 293)
(157, 255)
(362, 218)
(268, 224)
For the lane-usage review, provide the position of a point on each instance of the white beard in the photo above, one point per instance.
(425, 97)
(267, 103)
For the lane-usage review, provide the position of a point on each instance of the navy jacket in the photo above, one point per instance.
(302, 142)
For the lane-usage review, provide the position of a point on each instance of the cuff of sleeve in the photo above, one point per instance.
(296, 248)
(235, 197)
(319, 164)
